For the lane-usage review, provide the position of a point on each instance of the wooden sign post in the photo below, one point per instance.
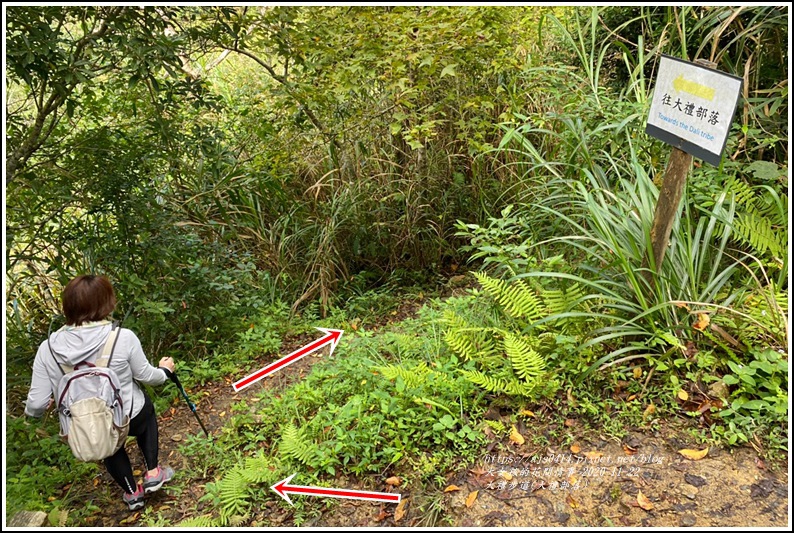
(692, 109)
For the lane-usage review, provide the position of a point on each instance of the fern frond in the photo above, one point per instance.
(517, 388)
(757, 232)
(743, 194)
(460, 343)
(562, 300)
(412, 377)
(488, 383)
(233, 491)
(204, 520)
(517, 299)
(296, 445)
(713, 338)
(467, 341)
(498, 427)
(774, 210)
(257, 469)
(527, 363)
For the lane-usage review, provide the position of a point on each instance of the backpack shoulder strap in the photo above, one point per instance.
(107, 352)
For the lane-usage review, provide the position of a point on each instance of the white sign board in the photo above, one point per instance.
(693, 107)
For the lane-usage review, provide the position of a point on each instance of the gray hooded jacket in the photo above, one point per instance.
(75, 344)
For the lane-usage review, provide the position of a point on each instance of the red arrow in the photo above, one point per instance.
(282, 489)
(332, 336)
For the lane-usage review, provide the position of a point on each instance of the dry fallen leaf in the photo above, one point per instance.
(695, 455)
(570, 501)
(683, 395)
(394, 481)
(593, 455)
(628, 449)
(516, 437)
(644, 502)
(507, 476)
(175, 438)
(702, 322)
(570, 422)
(471, 498)
(399, 512)
(451, 488)
(575, 448)
(571, 399)
(651, 409)
(637, 372)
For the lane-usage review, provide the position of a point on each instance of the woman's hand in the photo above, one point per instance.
(167, 362)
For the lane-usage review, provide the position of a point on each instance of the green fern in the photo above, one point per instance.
(527, 363)
(561, 300)
(713, 338)
(296, 445)
(405, 345)
(204, 520)
(517, 299)
(498, 427)
(757, 231)
(743, 194)
(761, 219)
(511, 360)
(768, 317)
(234, 491)
(412, 377)
(468, 341)
(486, 382)
(257, 469)
(511, 386)
(517, 388)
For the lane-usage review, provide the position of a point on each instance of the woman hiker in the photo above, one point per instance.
(87, 302)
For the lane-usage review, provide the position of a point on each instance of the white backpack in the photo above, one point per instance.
(90, 409)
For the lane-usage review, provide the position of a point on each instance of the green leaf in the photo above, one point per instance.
(730, 379)
(764, 170)
(755, 404)
(449, 70)
(748, 379)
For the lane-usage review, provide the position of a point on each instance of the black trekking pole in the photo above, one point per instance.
(172, 377)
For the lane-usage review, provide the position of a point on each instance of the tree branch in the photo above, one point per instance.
(290, 91)
(37, 135)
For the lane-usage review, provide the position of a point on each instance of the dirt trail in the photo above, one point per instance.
(605, 485)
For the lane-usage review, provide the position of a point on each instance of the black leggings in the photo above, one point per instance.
(144, 428)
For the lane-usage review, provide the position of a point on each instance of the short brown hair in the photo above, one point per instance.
(88, 299)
